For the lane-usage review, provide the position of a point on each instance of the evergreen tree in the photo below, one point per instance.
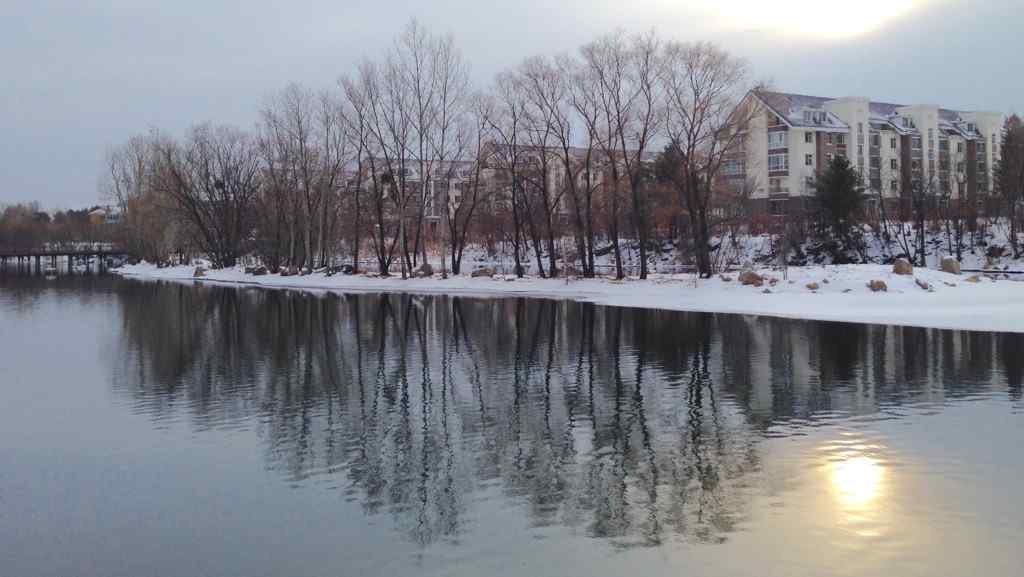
(1009, 174)
(840, 199)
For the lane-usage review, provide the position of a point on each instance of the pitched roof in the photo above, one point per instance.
(789, 106)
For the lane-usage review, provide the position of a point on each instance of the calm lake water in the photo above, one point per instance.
(169, 429)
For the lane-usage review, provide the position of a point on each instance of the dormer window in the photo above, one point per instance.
(814, 116)
(970, 127)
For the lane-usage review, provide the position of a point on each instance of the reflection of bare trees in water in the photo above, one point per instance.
(629, 425)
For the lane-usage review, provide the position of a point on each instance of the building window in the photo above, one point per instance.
(777, 207)
(778, 162)
(960, 147)
(840, 139)
(733, 167)
(892, 143)
(828, 138)
(808, 160)
(876, 140)
(915, 143)
(860, 150)
(892, 163)
(828, 156)
(775, 186)
(809, 137)
(893, 185)
(776, 140)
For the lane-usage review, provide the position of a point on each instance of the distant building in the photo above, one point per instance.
(104, 215)
(946, 154)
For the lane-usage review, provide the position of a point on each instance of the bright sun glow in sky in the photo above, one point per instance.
(819, 18)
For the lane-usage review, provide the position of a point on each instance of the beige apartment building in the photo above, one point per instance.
(945, 154)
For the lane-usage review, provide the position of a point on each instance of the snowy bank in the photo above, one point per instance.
(828, 293)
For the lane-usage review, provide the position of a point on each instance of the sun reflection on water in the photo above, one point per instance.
(857, 481)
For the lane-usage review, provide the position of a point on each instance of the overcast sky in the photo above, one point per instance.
(82, 75)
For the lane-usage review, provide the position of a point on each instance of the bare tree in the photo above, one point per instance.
(583, 95)
(628, 74)
(461, 208)
(149, 228)
(705, 120)
(507, 122)
(459, 126)
(213, 176)
(335, 144)
(548, 130)
(387, 103)
(374, 164)
(607, 59)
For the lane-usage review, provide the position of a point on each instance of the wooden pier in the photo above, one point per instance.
(60, 259)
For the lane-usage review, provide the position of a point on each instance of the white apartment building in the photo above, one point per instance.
(897, 149)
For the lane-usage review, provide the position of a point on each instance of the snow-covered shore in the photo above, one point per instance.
(952, 302)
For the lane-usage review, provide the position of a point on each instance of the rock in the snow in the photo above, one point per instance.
(199, 272)
(974, 279)
(878, 286)
(813, 286)
(902, 266)
(767, 291)
(950, 265)
(482, 272)
(923, 284)
(749, 277)
(425, 270)
(725, 278)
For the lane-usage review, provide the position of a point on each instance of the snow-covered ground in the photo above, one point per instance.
(842, 294)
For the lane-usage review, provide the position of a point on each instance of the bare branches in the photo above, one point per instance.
(554, 142)
(213, 176)
(705, 122)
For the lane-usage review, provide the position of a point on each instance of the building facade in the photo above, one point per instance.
(899, 151)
